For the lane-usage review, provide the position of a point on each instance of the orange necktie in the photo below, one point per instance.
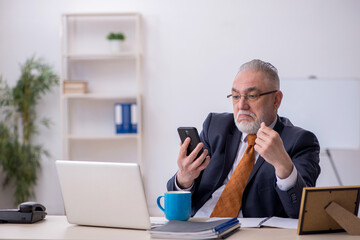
(229, 203)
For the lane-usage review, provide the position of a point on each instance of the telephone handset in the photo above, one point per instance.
(28, 212)
(31, 207)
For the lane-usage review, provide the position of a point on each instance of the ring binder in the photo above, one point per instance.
(125, 117)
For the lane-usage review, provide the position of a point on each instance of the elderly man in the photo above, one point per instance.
(255, 163)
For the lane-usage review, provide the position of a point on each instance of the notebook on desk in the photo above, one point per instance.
(103, 194)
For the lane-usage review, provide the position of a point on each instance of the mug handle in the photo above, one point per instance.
(159, 204)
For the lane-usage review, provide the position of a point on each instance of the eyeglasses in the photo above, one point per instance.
(248, 97)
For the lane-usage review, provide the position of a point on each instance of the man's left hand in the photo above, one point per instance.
(270, 146)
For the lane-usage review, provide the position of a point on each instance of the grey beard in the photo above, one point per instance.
(248, 127)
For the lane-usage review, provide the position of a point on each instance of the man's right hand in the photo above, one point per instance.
(189, 167)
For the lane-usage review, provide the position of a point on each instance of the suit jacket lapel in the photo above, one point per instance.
(257, 165)
(232, 145)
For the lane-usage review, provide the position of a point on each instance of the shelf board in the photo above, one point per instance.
(103, 137)
(95, 96)
(101, 56)
(105, 14)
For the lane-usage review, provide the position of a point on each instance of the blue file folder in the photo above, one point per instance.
(125, 115)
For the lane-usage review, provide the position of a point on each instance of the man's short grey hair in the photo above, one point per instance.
(268, 69)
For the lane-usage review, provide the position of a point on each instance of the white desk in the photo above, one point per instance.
(57, 227)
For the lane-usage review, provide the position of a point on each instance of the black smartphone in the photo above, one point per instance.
(192, 133)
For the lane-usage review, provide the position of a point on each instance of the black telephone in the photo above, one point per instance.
(28, 212)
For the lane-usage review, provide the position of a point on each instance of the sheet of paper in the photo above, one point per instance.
(157, 221)
(279, 222)
(251, 222)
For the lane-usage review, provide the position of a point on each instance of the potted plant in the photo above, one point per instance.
(115, 41)
(20, 158)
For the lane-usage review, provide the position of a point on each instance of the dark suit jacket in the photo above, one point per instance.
(261, 198)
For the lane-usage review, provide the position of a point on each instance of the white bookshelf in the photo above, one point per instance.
(88, 128)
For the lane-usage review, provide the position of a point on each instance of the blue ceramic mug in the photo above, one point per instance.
(177, 205)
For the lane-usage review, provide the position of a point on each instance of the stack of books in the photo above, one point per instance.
(125, 117)
(75, 87)
(196, 230)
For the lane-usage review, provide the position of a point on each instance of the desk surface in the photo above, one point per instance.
(57, 227)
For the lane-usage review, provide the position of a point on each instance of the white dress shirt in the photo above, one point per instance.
(283, 184)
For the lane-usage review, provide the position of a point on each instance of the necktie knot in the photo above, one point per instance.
(251, 139)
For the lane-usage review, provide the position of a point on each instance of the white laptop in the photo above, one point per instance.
(103, 194)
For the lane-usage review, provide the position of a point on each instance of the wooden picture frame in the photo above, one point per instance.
(314, 219)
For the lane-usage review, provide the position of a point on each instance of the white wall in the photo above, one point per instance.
(192, 50)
